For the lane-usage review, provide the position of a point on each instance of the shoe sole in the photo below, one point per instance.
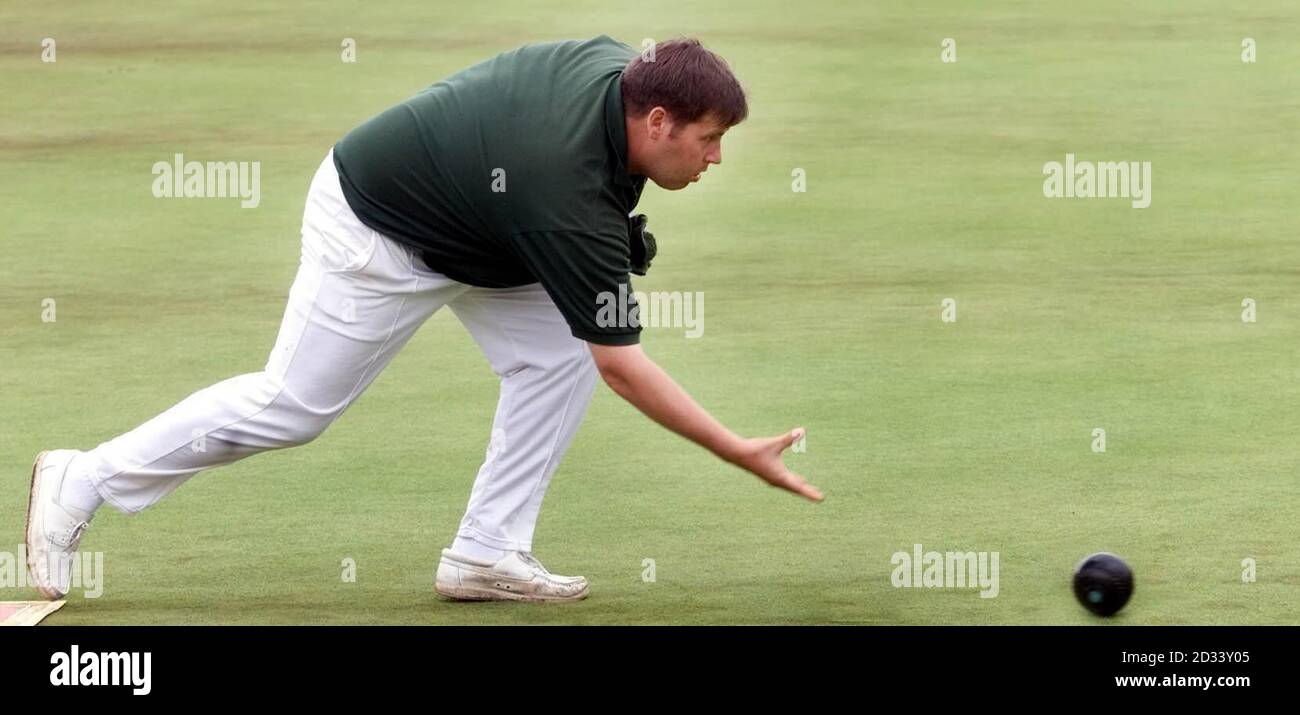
(475, 593)
(32, 498)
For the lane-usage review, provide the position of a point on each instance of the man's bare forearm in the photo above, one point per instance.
(637, 379)
(652, 391)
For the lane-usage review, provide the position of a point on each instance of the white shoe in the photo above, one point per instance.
(516, 577)
(53, 531)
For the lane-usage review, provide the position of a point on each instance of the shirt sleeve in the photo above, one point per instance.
(586, 275)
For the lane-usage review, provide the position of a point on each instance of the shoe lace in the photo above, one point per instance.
(528, 558)
(70, 537)
(75, 535)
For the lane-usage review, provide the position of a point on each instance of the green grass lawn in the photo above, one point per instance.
(924, 182)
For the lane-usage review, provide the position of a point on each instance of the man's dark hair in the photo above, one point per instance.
(685, 79)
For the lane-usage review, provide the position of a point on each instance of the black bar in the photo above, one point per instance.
(1010, 661)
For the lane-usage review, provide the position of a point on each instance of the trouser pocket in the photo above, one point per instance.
(332, 235)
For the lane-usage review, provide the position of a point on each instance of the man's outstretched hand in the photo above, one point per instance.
(762, 456)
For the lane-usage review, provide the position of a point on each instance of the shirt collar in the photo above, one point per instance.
(616, 130)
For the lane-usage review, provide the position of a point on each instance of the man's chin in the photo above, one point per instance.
(673, 185)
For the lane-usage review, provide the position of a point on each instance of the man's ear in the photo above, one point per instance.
(657, 122)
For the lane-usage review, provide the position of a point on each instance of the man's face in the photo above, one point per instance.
(677, 154)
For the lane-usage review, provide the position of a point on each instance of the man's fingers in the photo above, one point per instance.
(798, 485)
(791, 481)
(785, 441)
(808, 491)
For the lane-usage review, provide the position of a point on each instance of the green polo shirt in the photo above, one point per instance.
(511, 172)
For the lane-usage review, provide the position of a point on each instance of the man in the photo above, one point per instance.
(504, 193)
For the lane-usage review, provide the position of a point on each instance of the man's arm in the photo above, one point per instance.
(636, 378)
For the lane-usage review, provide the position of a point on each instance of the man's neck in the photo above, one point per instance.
(631, 126)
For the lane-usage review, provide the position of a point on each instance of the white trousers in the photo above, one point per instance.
(357, 299)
